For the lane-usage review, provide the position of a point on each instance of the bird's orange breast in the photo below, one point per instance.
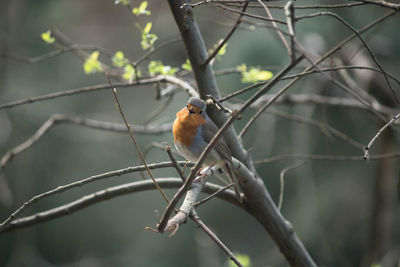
(185, 126)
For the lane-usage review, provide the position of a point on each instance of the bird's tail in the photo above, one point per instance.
(230, 173)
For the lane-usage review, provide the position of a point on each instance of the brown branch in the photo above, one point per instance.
(275, 26)
(84, 181)
(250, 15)
(32, 60)
(393, 155)
(357, 33)
(100, 125)
(228, 36)
(110, 193)
(298, 75)
(199, 222)
(201, 202)
(114, 90)
(322, 58)
(368, 147)
(290, 99)
(144, 81)
(282, 182)
(383, 3)
(324, 127)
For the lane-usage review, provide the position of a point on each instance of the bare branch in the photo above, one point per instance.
(114, 90)
(100, 125)
(368, 147)
(275, 26)
(196, 219)
(110, 193)
(228, 36)
(327, 157)
(290, 20)
(324, 127)
(383, 3)
(82, 182)
(282, 182)
(357, 33)
(290, 99)
(250, 15)
(212, 195)
(144, 81)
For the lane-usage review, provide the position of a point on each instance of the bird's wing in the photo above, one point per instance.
(209, 129)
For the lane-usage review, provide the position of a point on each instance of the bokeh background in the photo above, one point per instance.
(332, 204)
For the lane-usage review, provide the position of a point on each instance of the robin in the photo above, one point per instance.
(193, 130)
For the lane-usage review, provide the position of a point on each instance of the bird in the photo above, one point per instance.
(193, 130)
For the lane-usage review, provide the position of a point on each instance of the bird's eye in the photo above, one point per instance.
(187, 106)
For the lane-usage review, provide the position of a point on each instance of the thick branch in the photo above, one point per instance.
(204, 76)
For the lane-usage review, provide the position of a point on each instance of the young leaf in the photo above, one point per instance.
(141, 10)
(129, 72)
(123, 2)
(156, 67)
(119, 60)
(92, 64)
(147, 28)
(253, 75)
(46, 36)
(187, 66)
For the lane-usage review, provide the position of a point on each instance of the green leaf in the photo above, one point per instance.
(130, 72)
(221, 51)
(148, 39)
(123, 2)
(243, 258)
(147, 28)
(141, 10)
(46, 36)
(187, 65)
(253, 75)
(156, 67)
(92, 64)
(119, 60)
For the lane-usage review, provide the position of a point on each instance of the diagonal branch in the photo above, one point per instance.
(228, 36)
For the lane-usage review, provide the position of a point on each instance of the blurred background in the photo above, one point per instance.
(345, 212)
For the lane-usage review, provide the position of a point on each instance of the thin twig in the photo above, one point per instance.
(393, 155)
(383, 3)
(201, 202)
(143, 81)
(174, 162)
(251, 15)
(95, 124)
(357, 33)
(368, 147)
(290, 20)
(199, 222)
(275, 26)
(282, 182)
(32, 60)
(114, 90)
(324, 127)
(228, 36)
(322, 58)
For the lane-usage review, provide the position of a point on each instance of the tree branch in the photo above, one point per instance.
(110, 193)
